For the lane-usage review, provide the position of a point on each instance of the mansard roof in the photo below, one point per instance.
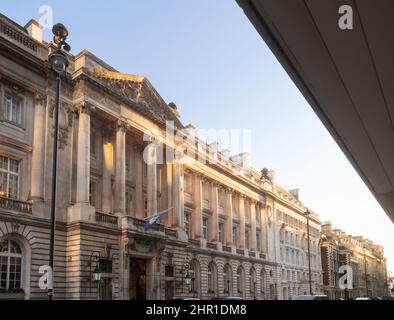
(136, 92)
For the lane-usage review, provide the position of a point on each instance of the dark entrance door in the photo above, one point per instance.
(137, 279)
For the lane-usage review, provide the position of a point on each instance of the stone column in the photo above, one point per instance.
(83, 157)
(197, 215)
(177, 195)
(229, 218)
(120, 168)
(151, 179)
(81, 210)
(253, 246)
(108, 169)
(139, 183)
(167, 190)
(215, 213)
(264, 229)
(241, 213)
(38, 156)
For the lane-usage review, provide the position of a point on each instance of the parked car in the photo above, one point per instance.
(363, 298)
(310, 297)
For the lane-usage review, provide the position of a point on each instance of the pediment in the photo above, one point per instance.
(137, 92)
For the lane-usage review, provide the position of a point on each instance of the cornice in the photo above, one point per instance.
(15, 144)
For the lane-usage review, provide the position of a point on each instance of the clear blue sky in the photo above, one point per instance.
(206, 57)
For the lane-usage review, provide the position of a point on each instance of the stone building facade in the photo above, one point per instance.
(365, 258)
(289, 246)
(229, 232)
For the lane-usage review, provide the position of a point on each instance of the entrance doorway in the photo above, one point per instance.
(137, 279)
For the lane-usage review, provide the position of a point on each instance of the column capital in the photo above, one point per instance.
(261, 204)
(253, 201)
(40, 97)
(121, 124)
(84, 107)
(242, 196)
(229, 190)
(198, 175)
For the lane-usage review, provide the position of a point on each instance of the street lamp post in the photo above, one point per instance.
(59, 64)
(306, 215)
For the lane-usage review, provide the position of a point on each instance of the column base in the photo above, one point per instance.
(81, 212)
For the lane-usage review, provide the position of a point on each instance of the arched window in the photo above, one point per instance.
(252, 283)
(195, 276)
(10, 265)
(227, 280)
(263, 283)
(212, 278)
(240, 280)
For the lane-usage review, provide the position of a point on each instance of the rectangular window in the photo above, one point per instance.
(235, 236)
(169, 271)
(235, 206)
(205, 187)
(221, 195)
(247, 211)
(221, 233)
(9, 177)
(93, 143)
(145, 206)
(92, 193)
(12, 109)
(187, 225)
(258, 244)
(246, 239)
(205, 228)
(188, 183)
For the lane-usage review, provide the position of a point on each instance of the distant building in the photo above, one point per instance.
(365, 258)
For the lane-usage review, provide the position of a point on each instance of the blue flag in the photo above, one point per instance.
(149, 222)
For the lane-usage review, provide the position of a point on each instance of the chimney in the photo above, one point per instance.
(226, 153)
(295, 193)
(214, 146)
(191, 130)
(242, 159)
(35, 30)
(326, 228)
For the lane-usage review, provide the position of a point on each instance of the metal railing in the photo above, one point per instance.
(16, 205)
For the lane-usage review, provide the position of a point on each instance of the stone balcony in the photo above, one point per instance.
(15, 205)
(106, 219)
(137, 225)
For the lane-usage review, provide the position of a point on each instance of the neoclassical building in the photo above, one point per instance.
(365, 258)
(229, 231)
(289, 242)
